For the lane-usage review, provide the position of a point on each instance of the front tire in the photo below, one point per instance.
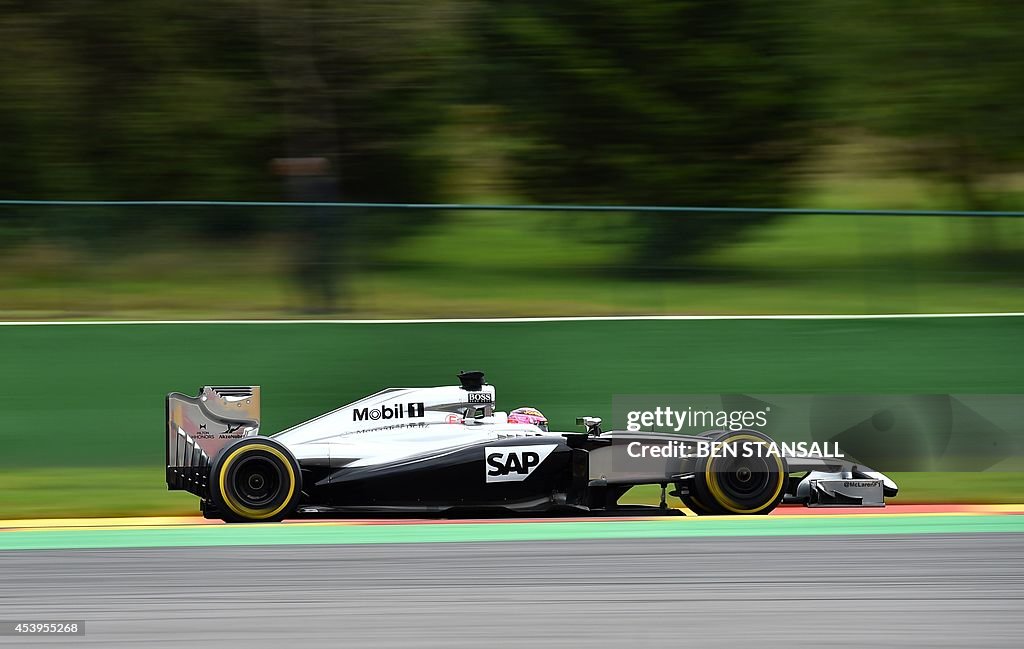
(694, 505)
(740, 485)
(255, 479)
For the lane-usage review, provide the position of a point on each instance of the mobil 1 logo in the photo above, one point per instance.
(514, 463)
(393, 411)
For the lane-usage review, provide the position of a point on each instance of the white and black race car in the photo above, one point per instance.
(447, 451)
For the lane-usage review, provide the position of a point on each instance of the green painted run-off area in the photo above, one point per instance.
(305, 534)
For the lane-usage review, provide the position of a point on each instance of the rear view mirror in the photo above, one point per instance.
(593, 424)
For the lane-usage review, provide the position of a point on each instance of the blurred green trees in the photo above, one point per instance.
(159, 99)
(701, 102)
(943, 77)
(653, 102)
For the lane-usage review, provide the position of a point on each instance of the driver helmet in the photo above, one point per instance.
(528, 416)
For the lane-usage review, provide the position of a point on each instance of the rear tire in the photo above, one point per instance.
(739, 485)
(255, 479)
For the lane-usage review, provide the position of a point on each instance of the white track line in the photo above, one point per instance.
(875, 316)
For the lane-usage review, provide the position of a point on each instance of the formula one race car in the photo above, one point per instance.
(447, 451)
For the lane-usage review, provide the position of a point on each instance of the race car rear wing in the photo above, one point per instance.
(199, 427)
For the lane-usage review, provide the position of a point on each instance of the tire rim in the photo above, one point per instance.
(746, 480)
(256, 481)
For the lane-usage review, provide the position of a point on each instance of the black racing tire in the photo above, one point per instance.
(255, 480)
(694, 505)
(740, 485)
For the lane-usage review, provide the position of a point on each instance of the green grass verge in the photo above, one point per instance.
(529, 263)
(56, 492)
(502, 264)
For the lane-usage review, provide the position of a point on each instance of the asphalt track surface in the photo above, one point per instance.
(939, 590)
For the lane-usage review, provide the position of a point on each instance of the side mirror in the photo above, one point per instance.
(593, 425)
(476, 414)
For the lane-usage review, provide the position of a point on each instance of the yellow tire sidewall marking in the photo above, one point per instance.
(729, 503)
(241, 510)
